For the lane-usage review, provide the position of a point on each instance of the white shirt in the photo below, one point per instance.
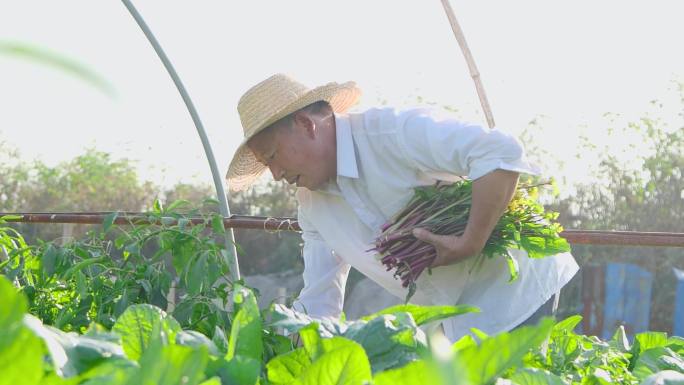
(382, 154)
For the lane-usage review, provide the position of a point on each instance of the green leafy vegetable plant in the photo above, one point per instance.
(147, 346)
(172, 265)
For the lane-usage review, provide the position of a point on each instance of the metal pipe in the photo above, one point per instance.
(623, 238)
(130, 218)
(218, 182)
(577, 237)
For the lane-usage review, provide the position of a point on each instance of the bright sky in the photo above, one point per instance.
(570, 61)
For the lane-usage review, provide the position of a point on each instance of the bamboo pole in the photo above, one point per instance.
(474, 73)
(598, 237)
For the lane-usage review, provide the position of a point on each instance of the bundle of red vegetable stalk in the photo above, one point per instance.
(444, 208)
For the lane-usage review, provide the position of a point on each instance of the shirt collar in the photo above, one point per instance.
(346, 154)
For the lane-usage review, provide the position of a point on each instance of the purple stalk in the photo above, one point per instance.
(410, 256)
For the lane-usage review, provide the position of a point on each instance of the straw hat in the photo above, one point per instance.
(270, 101)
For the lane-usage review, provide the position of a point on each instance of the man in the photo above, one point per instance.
(355, 170)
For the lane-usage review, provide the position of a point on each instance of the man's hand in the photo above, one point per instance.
(491, 195)
(450, 248)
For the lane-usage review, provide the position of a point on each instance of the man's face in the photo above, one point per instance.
(293, 153)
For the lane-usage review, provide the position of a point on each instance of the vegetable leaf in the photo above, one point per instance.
(137, 324)
(425, 314)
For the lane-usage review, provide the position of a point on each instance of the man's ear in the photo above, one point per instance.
(304, 121)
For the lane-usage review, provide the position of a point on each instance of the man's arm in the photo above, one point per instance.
(491, 195)
(325, 274)
(492, 159)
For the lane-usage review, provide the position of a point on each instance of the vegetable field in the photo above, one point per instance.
(148, 304)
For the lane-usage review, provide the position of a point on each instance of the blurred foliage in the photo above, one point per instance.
(58, 61)
(94, 181)
(639, 190)
(259, 252)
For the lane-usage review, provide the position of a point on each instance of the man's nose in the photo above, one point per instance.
(277, 172)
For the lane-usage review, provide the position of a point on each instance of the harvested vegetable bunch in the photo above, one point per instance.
(444, 209)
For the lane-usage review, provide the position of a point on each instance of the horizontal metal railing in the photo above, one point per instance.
(134, 218)
(586, 237)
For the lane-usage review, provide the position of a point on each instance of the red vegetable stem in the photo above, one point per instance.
(407, 256)
(427, 258)
(414, 245)
(401, 219)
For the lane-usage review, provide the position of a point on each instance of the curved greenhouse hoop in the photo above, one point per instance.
(218, 183)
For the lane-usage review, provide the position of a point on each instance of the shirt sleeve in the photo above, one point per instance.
(456, 147)
(325, 275)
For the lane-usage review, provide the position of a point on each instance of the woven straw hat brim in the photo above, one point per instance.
(244, 169)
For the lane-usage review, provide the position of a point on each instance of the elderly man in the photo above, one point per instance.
(355, 170)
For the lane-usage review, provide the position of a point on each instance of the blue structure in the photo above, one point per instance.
(627, 298)
(678, 319)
